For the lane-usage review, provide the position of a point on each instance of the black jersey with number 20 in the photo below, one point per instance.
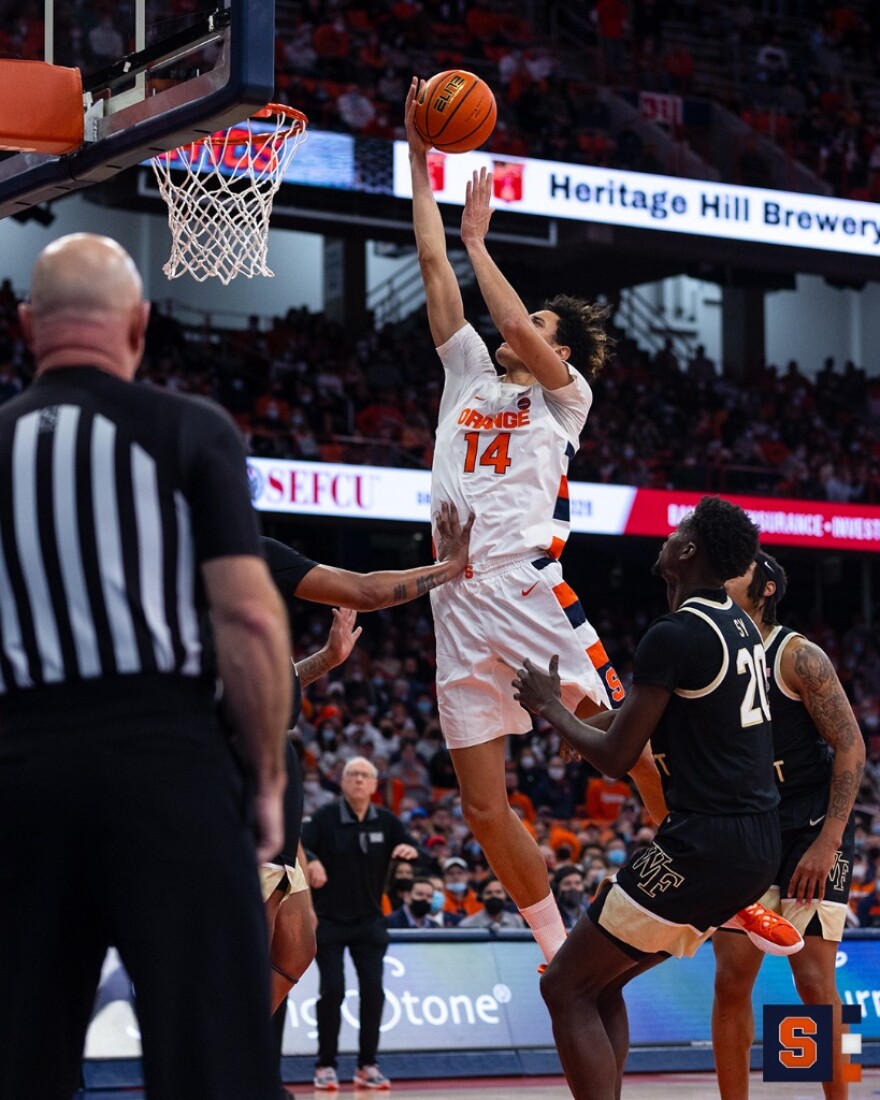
(713, 746)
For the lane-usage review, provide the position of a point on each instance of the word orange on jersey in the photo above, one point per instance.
(470, 418)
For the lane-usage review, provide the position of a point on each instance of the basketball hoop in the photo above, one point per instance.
(219, 192)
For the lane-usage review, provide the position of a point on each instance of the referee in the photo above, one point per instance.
(124, 516)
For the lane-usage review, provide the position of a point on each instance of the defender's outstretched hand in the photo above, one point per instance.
(535, 690)
(453, 540)
(343, 635)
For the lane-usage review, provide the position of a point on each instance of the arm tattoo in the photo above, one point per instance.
(829, 708)
(313, 667)
(844, 788)
(428, 581)
(399, 593)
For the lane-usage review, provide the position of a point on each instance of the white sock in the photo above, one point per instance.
(546, 924)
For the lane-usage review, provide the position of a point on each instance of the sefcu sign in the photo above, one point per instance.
(384, 492)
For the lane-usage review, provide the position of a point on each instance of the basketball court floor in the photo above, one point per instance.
(639, 1086)
(664, 1086)
(636, 1086)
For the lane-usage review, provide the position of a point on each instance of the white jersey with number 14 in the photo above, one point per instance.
(503, 451)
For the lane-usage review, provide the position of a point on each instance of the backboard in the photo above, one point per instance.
(156, 75)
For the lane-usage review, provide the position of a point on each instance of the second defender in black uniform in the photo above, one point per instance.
(817, 787)
(699, 696)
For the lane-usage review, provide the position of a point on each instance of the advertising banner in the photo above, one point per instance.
(786, 522)
(669, 204)
(381, 492)
(483, 995)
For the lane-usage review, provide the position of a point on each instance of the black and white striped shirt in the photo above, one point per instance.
(111, 496)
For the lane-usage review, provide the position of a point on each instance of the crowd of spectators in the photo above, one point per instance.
(785, 68)
(658, 421)
(811, 86)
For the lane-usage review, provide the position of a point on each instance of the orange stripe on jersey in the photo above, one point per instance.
(597, 655)
(563, 487)
(566, 595)
(556, 547)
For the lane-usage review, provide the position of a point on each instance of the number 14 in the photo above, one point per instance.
(494, 455)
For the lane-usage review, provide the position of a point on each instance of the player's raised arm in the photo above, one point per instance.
(512, 319)
(445, 308)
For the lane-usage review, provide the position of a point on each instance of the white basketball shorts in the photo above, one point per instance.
(486, 622)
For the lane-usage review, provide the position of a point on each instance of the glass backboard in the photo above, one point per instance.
(156, 74)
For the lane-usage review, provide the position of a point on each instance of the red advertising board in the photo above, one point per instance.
(822, 524)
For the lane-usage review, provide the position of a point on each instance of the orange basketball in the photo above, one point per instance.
(456, 112)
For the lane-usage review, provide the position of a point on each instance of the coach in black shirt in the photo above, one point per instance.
(125, 519)
(354, 841)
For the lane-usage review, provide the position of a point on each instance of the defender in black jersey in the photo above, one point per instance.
(818, 760)
(125, 521)
(699, 695)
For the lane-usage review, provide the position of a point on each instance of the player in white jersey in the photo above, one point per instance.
(503, 447)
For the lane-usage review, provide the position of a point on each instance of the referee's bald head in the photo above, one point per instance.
(81, 273)
(86, 307)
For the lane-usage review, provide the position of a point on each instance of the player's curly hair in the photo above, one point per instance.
(767, 568)
(582, 328)
(725, 534)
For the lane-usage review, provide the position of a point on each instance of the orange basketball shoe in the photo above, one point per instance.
(769, 932)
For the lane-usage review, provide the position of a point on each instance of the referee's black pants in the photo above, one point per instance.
(367, 942)
(136, 839)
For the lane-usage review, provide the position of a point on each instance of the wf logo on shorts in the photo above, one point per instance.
(653, 866)
(799, 1043)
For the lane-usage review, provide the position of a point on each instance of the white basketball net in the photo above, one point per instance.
(219, 192)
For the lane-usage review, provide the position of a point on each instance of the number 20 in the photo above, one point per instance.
(753, 664)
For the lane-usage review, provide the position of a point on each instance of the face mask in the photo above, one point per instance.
(859, 871)
(616, 857)
(556, 773)
(423, 706)
(493, 906)
(437, 901)
(527, 761)
(421, 907)
(401, 884)
(457, 888)
(571, 899)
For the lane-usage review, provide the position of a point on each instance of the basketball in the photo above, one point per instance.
(456, 111)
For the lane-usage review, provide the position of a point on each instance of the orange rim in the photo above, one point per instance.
(296, 124)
